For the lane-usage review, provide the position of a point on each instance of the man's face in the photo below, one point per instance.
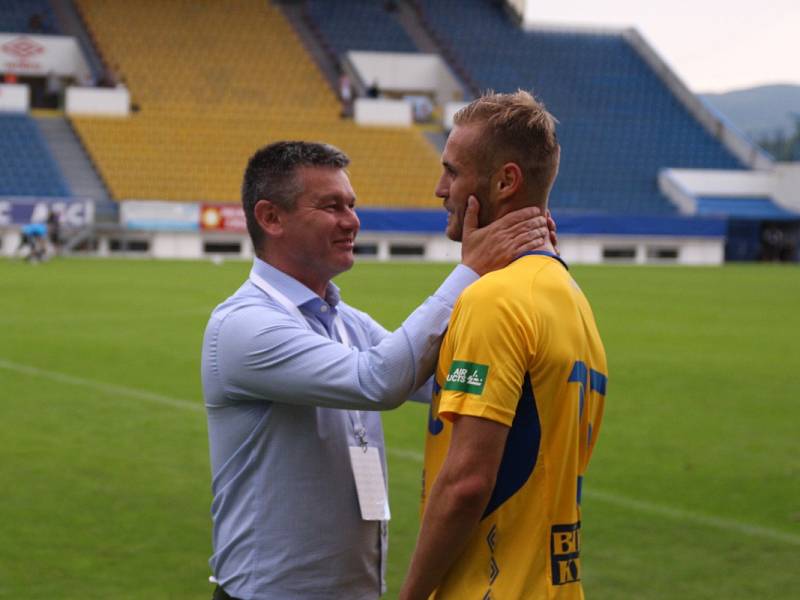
(320, 231)
(461, 177)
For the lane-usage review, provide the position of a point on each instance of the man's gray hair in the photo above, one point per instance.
(271, 175)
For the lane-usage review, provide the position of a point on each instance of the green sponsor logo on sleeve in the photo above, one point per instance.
(466, 377)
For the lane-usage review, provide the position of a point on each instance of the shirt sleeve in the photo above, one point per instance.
(375, 333)
(265, 355)
(491, 345)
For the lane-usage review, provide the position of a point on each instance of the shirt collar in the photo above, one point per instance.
(297, 293)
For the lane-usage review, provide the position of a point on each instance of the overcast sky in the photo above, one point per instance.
(713, 45)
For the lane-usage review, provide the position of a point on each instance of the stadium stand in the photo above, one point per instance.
(213, 82)
(27, 16)
(26, 166)
(342, 24)
(620, 124)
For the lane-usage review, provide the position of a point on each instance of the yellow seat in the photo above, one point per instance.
(214, 81)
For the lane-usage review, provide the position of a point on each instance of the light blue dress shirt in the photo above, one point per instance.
(278, 395)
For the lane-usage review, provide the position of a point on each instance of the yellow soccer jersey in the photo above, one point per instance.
(522, 349)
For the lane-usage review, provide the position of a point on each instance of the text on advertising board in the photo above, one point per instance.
(222, 217)
(77, 213)
(22, 49)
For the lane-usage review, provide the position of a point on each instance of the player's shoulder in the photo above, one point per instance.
(496, 284)
(516, 279)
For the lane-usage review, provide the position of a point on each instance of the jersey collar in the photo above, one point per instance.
(544, 253)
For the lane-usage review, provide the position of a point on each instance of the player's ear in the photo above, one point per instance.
(507, 181)
(269, 217)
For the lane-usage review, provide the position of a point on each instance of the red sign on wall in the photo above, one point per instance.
(22, 50)
(222, 217)
(22, 47)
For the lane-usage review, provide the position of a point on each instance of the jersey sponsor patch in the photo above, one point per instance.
(466, 377)
(565, 552)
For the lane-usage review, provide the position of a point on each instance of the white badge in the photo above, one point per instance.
(370, 485)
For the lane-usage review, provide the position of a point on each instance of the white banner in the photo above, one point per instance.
(383, 112)
(98, 101)
(14, 97)
(42, 54)
(159, 216)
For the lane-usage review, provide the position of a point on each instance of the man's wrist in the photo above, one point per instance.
(459, 279)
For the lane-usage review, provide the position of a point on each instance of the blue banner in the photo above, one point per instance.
(435, 220)
(73, 212)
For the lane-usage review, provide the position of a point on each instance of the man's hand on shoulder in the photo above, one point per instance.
(496, 245)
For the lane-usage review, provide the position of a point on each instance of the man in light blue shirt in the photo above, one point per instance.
(293, 379)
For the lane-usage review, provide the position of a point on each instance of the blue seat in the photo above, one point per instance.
(26, 166)
(619, 123)
(15, 16)
(358, 25)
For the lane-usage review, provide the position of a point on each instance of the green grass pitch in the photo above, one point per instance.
(693, 491)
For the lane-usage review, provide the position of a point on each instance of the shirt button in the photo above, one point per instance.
(323, 308)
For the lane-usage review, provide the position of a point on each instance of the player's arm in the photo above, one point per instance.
(457, 501)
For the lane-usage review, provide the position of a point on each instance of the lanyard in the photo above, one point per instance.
(355, 416)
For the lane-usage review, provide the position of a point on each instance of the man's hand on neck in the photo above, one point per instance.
(505, 239)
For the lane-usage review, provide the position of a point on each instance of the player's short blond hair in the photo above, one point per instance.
(517, 128)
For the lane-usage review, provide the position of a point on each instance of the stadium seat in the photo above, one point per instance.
(17, 16)
(215, 81)
(26, 166)
(342, 26)
(619, 123)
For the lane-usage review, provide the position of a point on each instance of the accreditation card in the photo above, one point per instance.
(370, 485)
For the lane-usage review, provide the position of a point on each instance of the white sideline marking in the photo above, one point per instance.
(692, 517)
(658, 509)
(603, 496)
(68, 319)
(411, 455)
(100, 386)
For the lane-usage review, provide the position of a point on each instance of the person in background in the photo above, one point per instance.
(53, 90)
(345, 94)
(54, 230)
(374, 91)
(33, 237)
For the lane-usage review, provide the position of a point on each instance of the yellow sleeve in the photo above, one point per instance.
(488, 340)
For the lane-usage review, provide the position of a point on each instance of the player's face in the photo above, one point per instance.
(320, 231)
(460, 178)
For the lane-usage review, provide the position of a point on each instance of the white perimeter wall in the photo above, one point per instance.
(114, 102)
(644, 250)
(382, 112)
(787, 185)
(387, 246)
(14, 97)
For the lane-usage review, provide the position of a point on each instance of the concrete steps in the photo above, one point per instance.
(71, 24)
(407, 16)
(324, 57)
(72, 159)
